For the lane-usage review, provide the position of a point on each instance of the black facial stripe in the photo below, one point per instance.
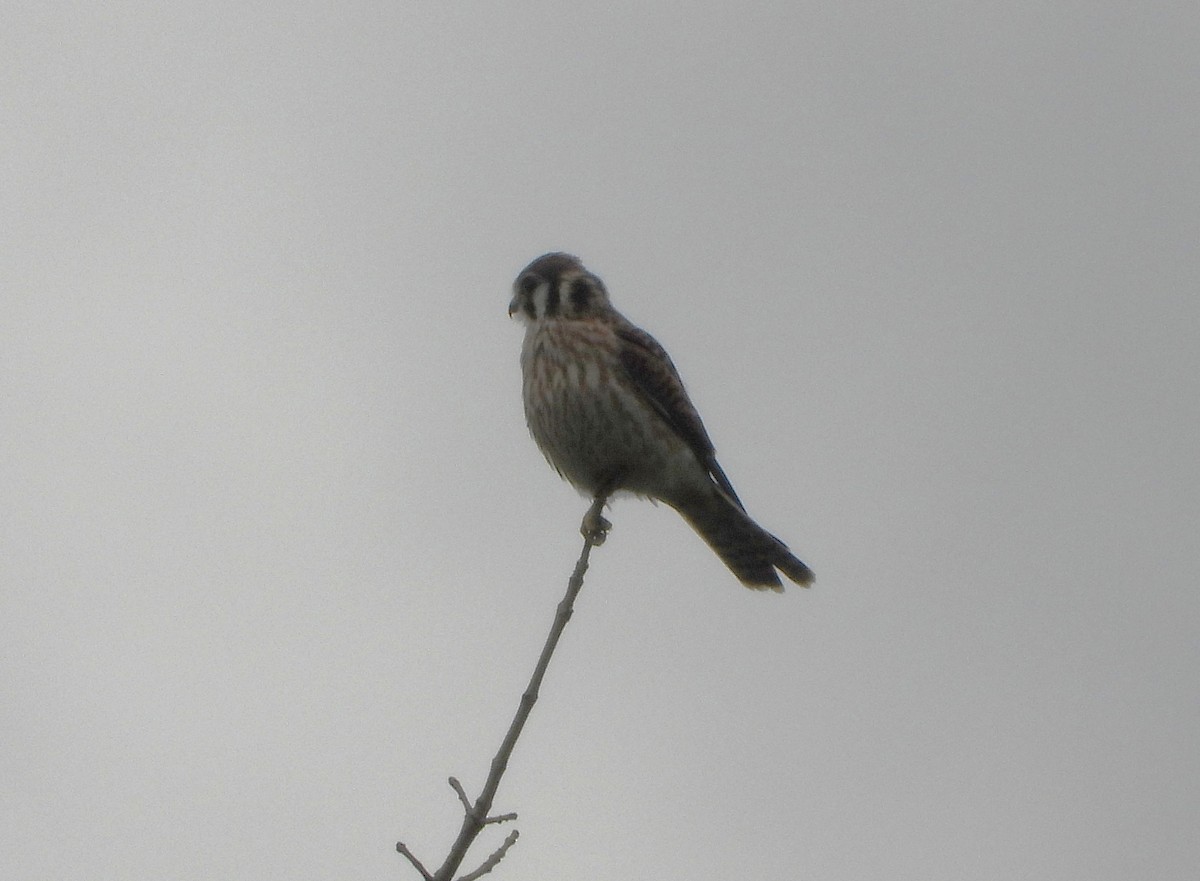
(551, 301)
(527, 305)
(579, 293)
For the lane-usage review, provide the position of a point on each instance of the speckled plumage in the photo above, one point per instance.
(608, 410)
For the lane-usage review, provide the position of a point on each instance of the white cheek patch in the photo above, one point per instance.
(539, 300)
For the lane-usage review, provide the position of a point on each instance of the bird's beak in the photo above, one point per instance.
(513, 306)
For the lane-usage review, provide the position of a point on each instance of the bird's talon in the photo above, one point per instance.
(595, 528)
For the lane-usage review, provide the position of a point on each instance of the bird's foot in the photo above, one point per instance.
(594, 527)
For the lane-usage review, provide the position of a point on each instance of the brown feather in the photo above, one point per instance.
(654, 375)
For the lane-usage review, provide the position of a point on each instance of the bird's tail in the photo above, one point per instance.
(750, 552)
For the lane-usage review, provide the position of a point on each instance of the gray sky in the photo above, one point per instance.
(278, 554)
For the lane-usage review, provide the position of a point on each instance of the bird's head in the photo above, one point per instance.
(557, 286)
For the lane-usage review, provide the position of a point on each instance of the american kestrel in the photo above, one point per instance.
(609, 412)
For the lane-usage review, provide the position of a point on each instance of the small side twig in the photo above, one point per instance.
(462, 795)
(594, 530)
(400, 848)
(494, 860)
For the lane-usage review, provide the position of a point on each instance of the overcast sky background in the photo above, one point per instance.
(277, 554)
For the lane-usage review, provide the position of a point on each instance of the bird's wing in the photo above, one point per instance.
(650, 369)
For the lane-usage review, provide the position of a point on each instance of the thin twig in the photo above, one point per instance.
(494, 860)
(477, 816)
(462, 795)
(400, 848)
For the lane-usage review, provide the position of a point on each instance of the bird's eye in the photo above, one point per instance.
(529, 284)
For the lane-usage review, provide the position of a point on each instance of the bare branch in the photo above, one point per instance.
(494, 860)
(400, 848)
(594, 530)
(462, 795)
(469, 808)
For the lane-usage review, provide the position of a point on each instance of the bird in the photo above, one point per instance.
(606, 406)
